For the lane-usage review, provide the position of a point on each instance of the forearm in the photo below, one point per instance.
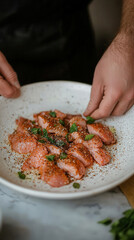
(127, 21)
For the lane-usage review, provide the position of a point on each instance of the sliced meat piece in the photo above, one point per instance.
(73, 166)
(78, 121)
(95, 142)
(43, 113)
(67, 119)
(69, 116)
(35, 160)
(22, 143)
(60, 114)
(24, 124)
(102, 131)
(82, 153)
(52, 174)
(52, 125)
(53, 149)
(92, 143)
(43, 121)
(101, 156)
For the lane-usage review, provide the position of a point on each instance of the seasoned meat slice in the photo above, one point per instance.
(52, 125)
(72, 166)
(82, 153)
(53, 149)
(52, 174)
(101, 156)
(35, 160)
(92, 143)
(24, 125)
(60, 114)
(22, 143)
(78, 121)
(102, 131)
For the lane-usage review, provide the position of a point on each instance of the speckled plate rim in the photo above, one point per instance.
(64, 196)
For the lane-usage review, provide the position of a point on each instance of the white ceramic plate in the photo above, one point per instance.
(69, 97)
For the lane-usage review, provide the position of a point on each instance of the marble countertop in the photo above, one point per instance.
(29, 218)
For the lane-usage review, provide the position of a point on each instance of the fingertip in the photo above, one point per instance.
(86, 113)
(17, 93)
(16, 84)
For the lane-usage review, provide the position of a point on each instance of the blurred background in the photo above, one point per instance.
(105, 17)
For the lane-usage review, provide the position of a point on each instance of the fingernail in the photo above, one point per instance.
(17, 84)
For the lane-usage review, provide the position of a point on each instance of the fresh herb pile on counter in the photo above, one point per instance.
(123, 228)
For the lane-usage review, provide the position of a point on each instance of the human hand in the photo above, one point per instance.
(9, 84)
(112, 91)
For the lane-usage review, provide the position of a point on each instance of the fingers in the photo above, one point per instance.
(106, 106)
(7, 90)
(95, 98)
(123, 106)
(7, 72)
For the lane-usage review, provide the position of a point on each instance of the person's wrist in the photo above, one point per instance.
(123, 44)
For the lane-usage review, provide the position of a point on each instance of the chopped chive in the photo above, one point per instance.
(89, 136)
(52, 114)
(76, 185)
(21, 175)
(36, 130)
(105, 221)
(61, 122)
(73, 128)
(50, 157)
(63, 155)
(90, 120)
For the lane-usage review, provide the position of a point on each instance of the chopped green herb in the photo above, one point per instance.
(60, 143)
(63, 155)
(45, 134)
(105, 221)
(50, 157)
(76, 185)
(41, 141)
(90, 120)
(36, 130)
(67, 137)
(61, 122)
(89, 136)
(73, 128)
(51, 140)
(52, 114)
(21, 175)
(33, 122)
(55, 125)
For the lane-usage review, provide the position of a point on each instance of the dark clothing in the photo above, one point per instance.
(46, 39)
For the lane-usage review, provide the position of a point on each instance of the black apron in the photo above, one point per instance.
(47, 40)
